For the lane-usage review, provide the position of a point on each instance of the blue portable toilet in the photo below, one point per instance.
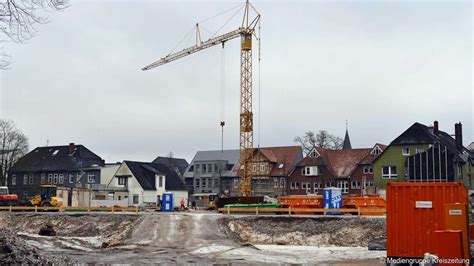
(167, 202)
(332, 198)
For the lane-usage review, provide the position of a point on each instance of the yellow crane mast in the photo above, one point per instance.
(246, 32)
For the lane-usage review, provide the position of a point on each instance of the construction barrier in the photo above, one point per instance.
(68, 209)
(298, 211)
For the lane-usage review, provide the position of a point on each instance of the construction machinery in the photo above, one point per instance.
(7, 199)
(246, 32)
(47, 197)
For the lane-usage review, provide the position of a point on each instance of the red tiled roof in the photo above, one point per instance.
(286, 155)
(343, 162)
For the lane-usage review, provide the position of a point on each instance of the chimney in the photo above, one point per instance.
(435, 127)
(458, 135)
(71, 148)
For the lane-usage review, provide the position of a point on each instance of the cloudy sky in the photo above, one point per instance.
(382, 65)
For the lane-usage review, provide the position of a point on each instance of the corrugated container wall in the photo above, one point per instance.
(414, 212)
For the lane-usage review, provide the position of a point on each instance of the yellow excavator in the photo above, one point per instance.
(47, 197)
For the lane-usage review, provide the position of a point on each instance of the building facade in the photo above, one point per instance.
(424, 154)
(212, 172)
(64, 166)
(143, 183)
(348, 169)
(270, 167)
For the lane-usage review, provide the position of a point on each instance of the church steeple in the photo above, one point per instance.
(347, 142)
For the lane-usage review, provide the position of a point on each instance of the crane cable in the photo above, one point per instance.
(222, 96)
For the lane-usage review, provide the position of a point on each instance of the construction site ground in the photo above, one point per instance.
(192, 237)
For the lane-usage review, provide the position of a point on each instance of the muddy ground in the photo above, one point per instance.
(187, 238)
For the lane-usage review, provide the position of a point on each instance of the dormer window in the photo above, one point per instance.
(314, 153)
(376, 150)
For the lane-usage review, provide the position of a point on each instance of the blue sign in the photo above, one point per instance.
(332, 198)
(167, 202)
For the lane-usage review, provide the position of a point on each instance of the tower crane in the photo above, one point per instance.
(246, 32)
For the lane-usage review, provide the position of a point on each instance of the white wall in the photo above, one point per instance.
(107, 173)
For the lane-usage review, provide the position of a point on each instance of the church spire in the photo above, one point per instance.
(347, 142)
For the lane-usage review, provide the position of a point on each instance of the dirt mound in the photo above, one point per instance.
(14, 250)
(66, 224)
(313, 231)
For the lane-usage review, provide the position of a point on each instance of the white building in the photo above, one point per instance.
(144, 183)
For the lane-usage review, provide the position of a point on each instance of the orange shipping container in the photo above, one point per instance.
(414, 212)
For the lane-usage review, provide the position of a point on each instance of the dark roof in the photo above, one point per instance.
(55, 158)
(347, 142)
(145, 175)
(179, 164)
(421, 134)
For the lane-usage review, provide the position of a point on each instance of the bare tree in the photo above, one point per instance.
(13, 145)
(18, 20)
(323, 139)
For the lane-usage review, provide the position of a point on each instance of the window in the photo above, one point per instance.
(78, 178)
(369, 183)
(25, 179)
(313, 153)
(254, 167)
(330, 183)
(198, 168)
(50, 178)
(236, 183)
(135, 199)
(282, 182)
(209, 168)
(204, 168)
(31, 179)
(216, 168)
(368, 169)
(303, 185)
(43, 178)
(275, 182)
(308, 188)
(459, 170)
(406, 151)
(419, 150)
(389, 172)
(91, 178)
(160, 181)
(14, 180)
(376, 150)
(198, 182)
(216, 182)
(310, 170)
(191, 168)
(344, 185)
(61, 179)
(204, 182)
(292, 185)
(297, 185)
(122, 180)
(71, 178)
(317, 185)
(262, 167)
(55, 178)
(355, 184)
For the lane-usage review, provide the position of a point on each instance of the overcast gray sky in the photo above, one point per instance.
(380, 65)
